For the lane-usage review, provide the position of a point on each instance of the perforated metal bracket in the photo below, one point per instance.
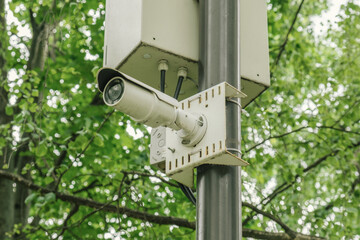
(180, 160)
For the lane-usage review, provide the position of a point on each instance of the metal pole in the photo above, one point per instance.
(219, 187)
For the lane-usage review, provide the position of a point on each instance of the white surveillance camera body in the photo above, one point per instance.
(149, 106)
(141, 102)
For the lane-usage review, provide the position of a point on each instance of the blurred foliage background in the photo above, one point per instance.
(72, 168)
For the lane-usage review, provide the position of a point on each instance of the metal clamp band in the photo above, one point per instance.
(234, 150)
(233, 101)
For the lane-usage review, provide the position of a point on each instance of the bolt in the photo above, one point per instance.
(185, 141)
(171, 149)
(200, 121)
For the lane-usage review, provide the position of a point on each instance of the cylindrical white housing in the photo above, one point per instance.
(193, 127)
(186, 121)
(141, 104)
(149, 106)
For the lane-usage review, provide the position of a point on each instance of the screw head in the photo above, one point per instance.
(185, 141)
(200, 122)
(161, 143)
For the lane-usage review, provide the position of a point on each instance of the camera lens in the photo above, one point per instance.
(114, 90)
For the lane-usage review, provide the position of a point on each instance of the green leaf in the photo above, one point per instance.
(33, 107)
(30, 198)
(99, 140)
(50, 197)
(23, 104)
(9, 110)
(41, 150)
(29, 127)
(94, 70)
(299, 171)
(30, 99)
(82, 141)
(48, 180)
(40, 199)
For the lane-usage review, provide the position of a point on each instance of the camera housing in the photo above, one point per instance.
(149, 106)
(142, 103)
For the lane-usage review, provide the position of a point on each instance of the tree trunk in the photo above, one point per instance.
(13, 209)
(21, 210)
(6, 186)
(37, 59)
(7, 212)
(39, 46)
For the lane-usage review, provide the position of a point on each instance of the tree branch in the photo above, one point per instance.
(275, 236)
(165, 220)
(311, 166)
(353, 184)
(272, 137)
(283, 45)
(63, 154)
(357, 180)
(144, 174)
(348, 110)
(291, 233)
(286, 185)
(94, 204)
(93, 184)
(86, 147)
(73, 210)
(339, 129)
(297, 130)
(33, 23)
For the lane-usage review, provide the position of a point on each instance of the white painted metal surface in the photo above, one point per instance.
(180, 160)
(139, 33)
(158, 147)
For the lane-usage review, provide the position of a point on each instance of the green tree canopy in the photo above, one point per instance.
(72, 168)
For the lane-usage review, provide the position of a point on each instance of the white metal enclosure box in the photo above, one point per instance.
(140, 33)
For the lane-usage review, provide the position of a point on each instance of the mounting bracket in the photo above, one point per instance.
(178, 160)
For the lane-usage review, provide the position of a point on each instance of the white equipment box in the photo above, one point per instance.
(140, 33)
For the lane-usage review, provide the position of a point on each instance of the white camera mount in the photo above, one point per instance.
(185, 134)
(178, 160)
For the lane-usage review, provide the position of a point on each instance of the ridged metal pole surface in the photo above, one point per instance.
(219, 187)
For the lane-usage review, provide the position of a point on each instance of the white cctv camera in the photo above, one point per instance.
(149, 106)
